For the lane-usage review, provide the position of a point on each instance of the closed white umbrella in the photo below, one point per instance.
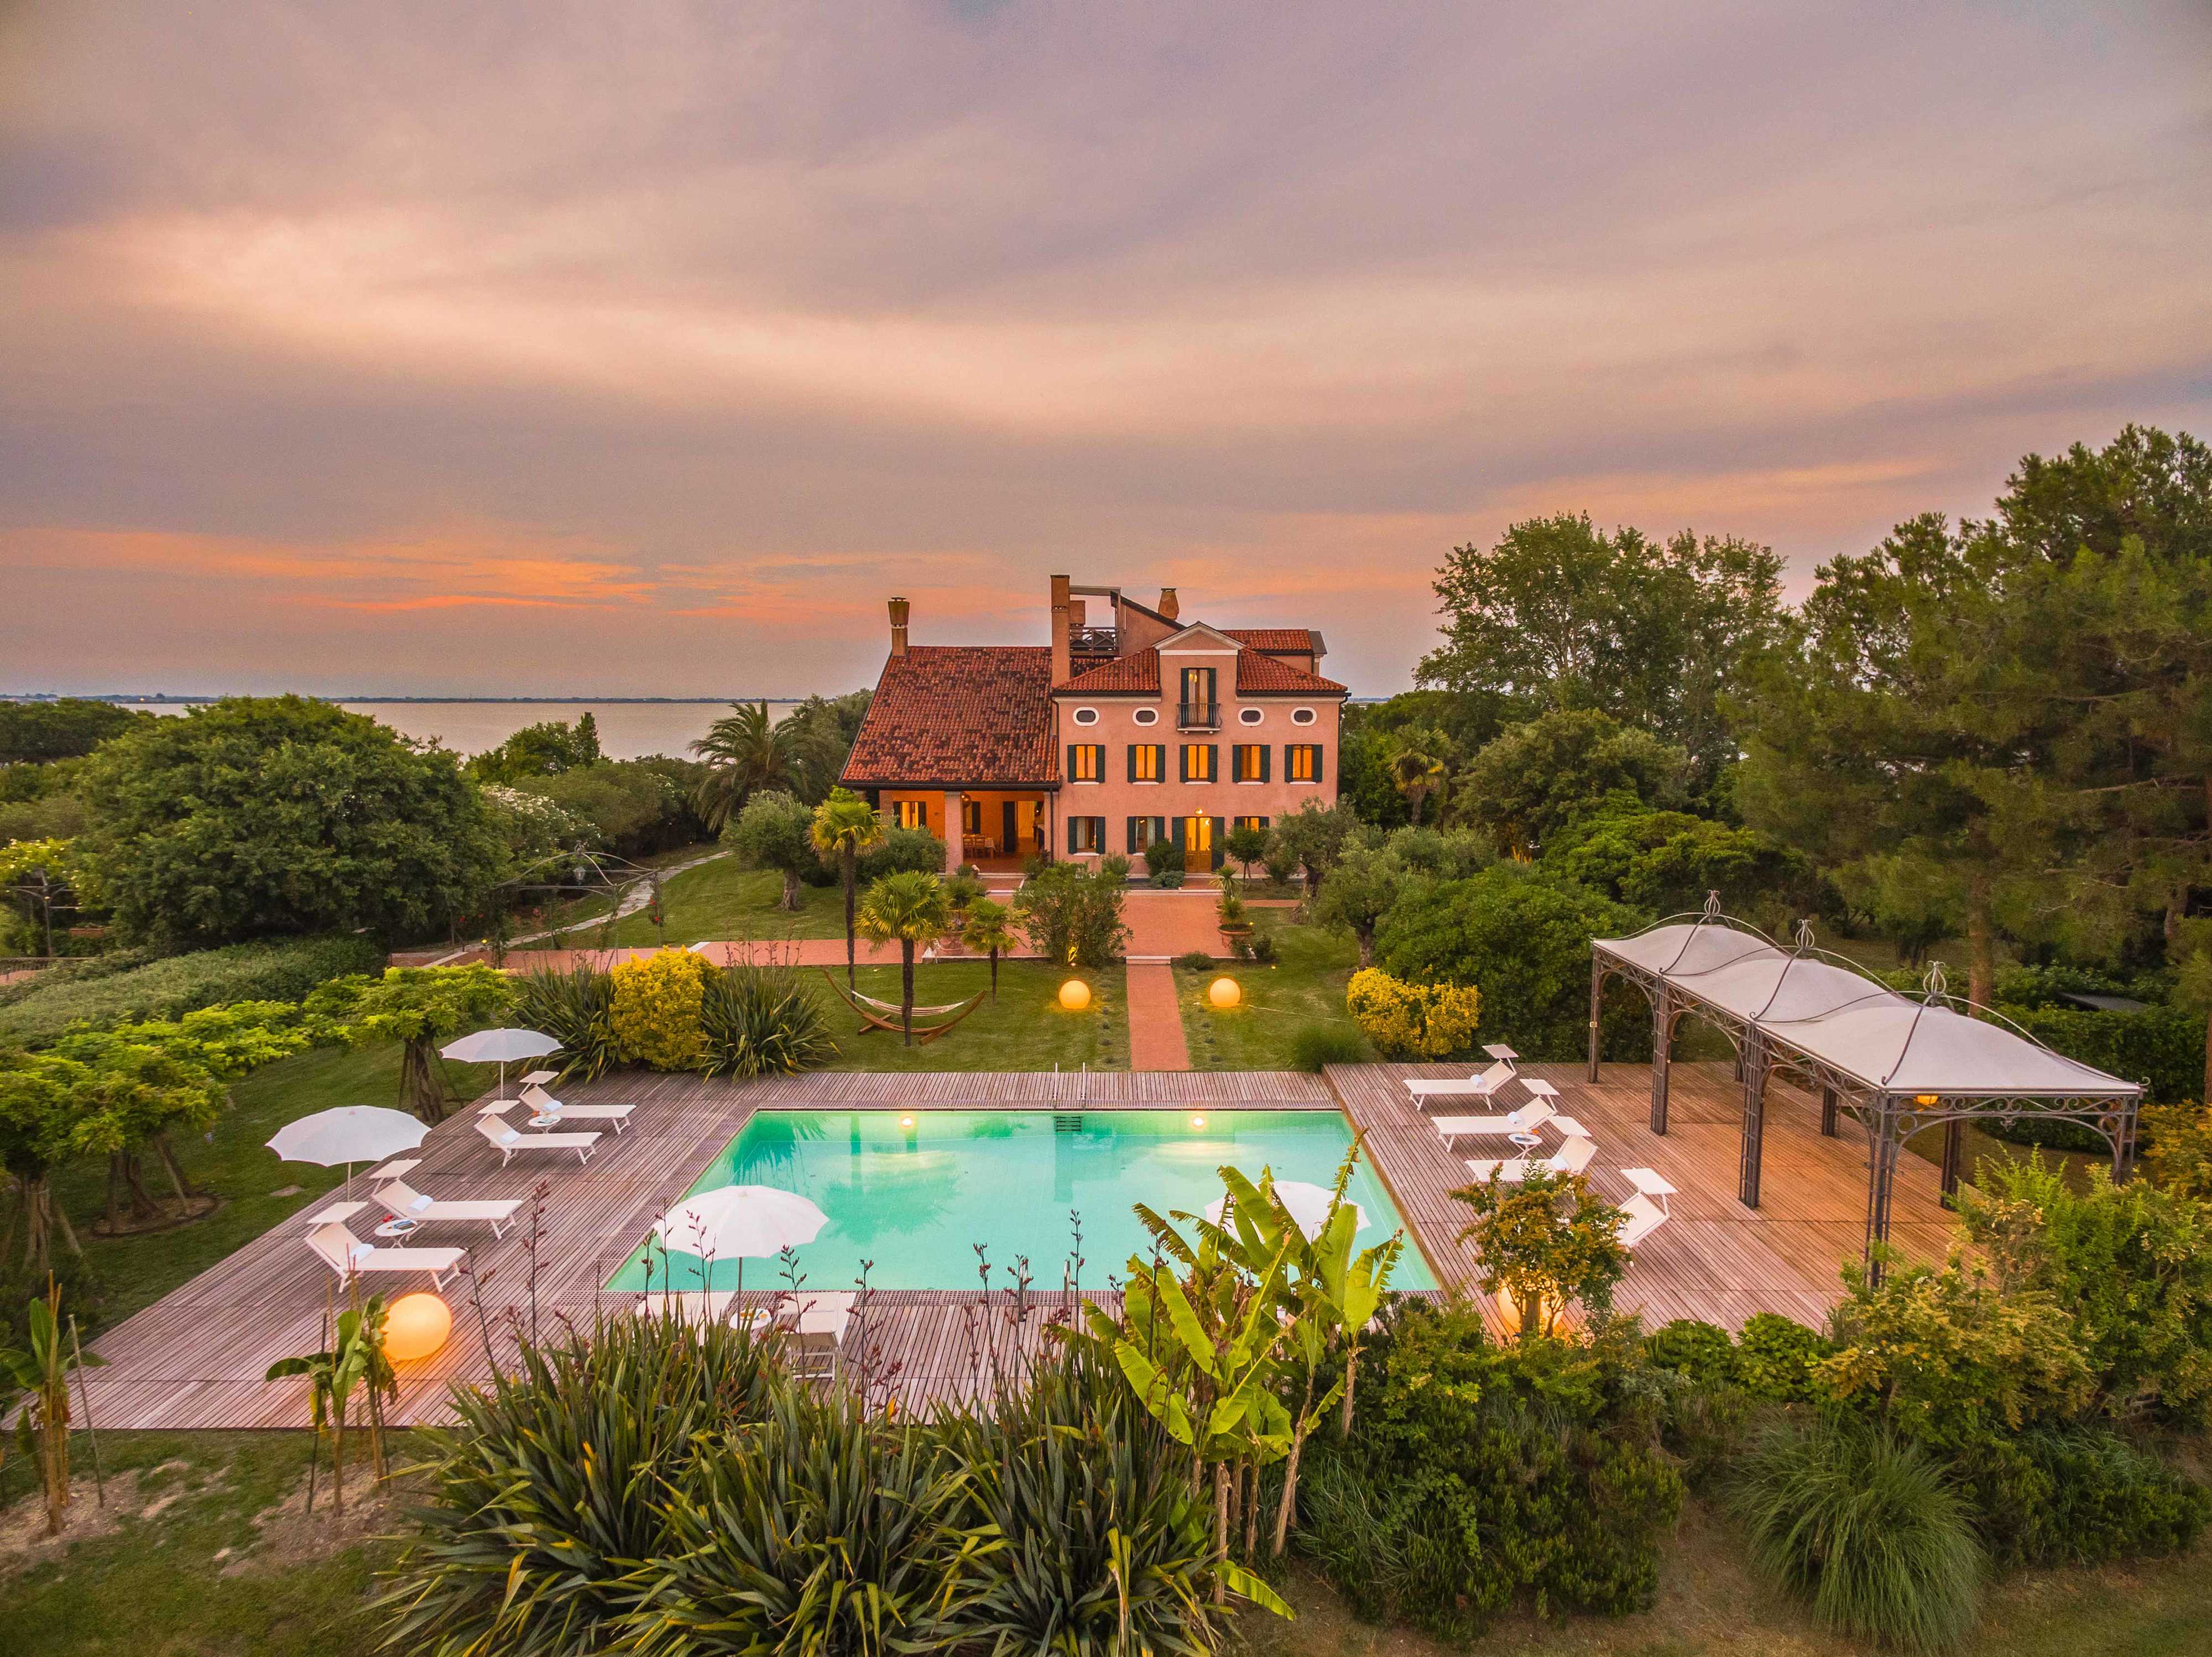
(499, 1048)
(348, 1134)
(1307, 1204)
(739, 1220)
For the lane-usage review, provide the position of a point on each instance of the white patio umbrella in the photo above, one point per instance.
(348, 1134)
(499, 1047)
(739, 1220)
(1307, 1205)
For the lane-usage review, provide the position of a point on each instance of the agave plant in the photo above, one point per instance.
(576, 1008)
(763, 1021)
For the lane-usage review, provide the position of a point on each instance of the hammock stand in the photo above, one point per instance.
(876, 1014)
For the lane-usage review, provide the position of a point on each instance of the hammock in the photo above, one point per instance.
(886, 1016)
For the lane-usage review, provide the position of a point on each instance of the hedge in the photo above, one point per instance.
(282, 970)
(2162, 1048)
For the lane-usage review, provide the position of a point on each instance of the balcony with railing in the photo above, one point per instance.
(1094, 643)
(1198, 716)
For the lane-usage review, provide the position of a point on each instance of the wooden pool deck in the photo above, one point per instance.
(196, 1358)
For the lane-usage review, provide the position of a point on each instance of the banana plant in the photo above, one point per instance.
(354, 1359)
(42, 1370)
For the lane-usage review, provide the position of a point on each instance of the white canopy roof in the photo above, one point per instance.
(1867, 1031)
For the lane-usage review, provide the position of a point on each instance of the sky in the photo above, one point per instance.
(373, 346)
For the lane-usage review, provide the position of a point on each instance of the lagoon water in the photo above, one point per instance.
(627, 731)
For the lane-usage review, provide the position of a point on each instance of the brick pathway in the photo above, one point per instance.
(1155, 1021)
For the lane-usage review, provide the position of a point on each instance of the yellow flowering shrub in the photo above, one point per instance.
(657, 1003)
(1413, 1020)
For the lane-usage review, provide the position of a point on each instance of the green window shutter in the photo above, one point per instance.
(1220, 827)
(1071, 761)
(1213, 757)
(1174, 832)
(1129, 837)
(1267, 760)
(1317, 767)
(1159, 828)
(1133, 762)
(1183, 761)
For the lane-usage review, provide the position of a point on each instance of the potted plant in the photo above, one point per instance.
(1229, 911)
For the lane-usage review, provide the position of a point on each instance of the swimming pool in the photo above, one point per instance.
(915, 1192)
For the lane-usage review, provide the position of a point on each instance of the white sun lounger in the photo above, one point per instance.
(1485, 1086)
(1526, 1120)
(1644, 1218)
(509, 1141)
(405, 1203)
(1573, 1157)
(347, 1255)
(544, 1104)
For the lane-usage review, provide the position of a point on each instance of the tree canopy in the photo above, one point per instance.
(63, 729)
(1560, 615)
(280, 814)
(1540, 779)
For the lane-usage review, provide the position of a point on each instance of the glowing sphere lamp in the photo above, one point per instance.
(1075, 995)
(415, 1326)
(1224, 991)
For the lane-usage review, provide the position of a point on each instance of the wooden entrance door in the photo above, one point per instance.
(1198, 845)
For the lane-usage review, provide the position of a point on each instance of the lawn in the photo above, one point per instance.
(1304, 986)
(1025, 1028)
(719, 900)
(203, 1547)
(233, 1163)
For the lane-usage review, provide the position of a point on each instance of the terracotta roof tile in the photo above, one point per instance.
(958, 713)
(1256, 675)
(1295, 640)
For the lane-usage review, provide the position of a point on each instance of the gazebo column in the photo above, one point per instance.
(1828, 1111)
(1753, 1061)
(1662, 1041)
(1954, 1151)
(1597, 997)
(1881, 1174)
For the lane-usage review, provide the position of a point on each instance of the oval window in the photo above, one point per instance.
(1086, 716)
(1249, 715)
(1147, 716)
(1301, 716)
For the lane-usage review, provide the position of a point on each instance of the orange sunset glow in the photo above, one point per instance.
(509, 348)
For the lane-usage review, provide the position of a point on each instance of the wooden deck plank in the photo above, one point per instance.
(196, 1358)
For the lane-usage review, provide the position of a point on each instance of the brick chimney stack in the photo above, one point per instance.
(1169, 606)
(1059, 625)
(899, 610)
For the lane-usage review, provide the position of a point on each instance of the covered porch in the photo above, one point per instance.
(997, 828)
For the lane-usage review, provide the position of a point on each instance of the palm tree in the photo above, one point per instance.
(845, 825)
(912, 908)
(744, 750)
(1417, 766)
(989, 929)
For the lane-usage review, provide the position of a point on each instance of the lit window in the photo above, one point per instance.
(1301, 762)
(1086, 761)
(1198, 762)
(1251, 822)
(1146, 760)
(1086, 833)
(1251, 763)
(911, 813)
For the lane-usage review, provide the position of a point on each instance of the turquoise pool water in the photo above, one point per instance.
(915, 1194)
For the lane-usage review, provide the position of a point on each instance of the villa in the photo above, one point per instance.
(1132, 725)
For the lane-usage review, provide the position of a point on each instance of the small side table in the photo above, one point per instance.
(1528, 1142)
(1652, 1183)
(399, 1229)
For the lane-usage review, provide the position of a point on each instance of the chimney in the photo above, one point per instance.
(899, 608)
(1168, 605)
(1059, 621)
